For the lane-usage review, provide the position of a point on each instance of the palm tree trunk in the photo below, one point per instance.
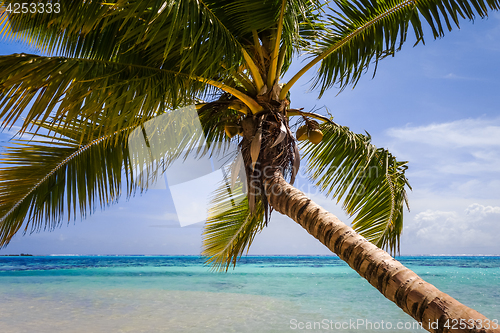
(437, 311)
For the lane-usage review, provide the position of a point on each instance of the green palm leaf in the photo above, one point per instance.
(364, 30)
(230, 227)
(361, 31)
(370, 181)
(264, 17)
(40, 179)
(194, 37)
(67, 88)
(74, 168)
(147, 32)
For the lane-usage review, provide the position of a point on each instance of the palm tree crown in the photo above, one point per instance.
(113, 66)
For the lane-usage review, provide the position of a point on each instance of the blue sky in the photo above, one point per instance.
(434, 105)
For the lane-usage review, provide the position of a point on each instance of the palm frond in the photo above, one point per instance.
(230, 227)
(67, 88)
(362, 31)
(213, 116)
(74, 168)
(245, 18)
(302, 27)
(370, 182)
(41, 178)
(148, 32)
(275, 49)
(178, 134)
(5, 29)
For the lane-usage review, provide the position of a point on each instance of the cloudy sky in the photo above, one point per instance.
(434, 105)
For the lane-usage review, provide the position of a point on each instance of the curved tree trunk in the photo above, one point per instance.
(421, 300)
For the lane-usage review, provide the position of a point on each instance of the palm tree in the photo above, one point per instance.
(116, 65)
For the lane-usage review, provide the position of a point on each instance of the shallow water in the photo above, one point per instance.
(180, 294)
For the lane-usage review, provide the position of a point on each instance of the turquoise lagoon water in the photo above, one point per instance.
(180, 294)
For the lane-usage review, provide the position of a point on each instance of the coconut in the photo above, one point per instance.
(313, 124)
(301, 133)
(231, 129)
(315, 136)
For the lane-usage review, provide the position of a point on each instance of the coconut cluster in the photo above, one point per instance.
(310, 131)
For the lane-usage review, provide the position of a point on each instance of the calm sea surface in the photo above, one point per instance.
(180, 294)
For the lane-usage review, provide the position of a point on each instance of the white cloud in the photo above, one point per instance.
(461, 153)
(477, 133)
(477, 211)
(476, 226)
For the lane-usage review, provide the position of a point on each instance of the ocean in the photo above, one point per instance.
(262, 294)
